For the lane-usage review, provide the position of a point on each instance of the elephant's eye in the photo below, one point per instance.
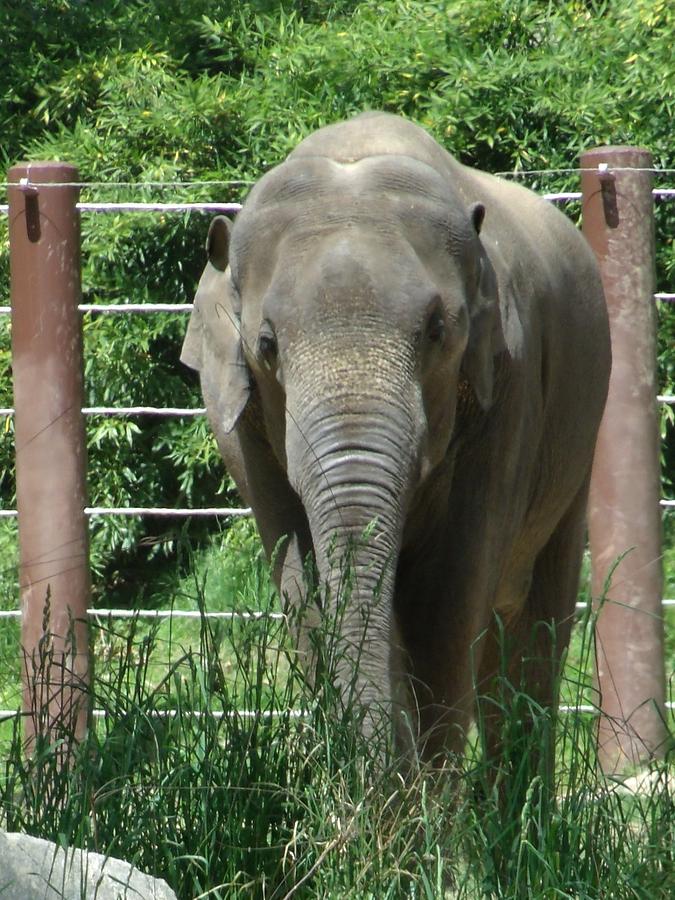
(435, 327)
(267, 343)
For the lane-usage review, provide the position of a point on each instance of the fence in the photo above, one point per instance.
(44, 214)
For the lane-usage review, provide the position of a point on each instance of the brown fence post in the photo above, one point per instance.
(624, 512)
(44, 231)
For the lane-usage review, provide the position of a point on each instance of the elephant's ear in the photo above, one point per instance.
(485, 338)
(213, 343)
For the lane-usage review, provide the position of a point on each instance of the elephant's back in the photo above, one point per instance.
(374, 134)
(542, 260)
(556, 329)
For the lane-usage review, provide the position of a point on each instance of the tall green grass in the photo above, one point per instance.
(214, 766)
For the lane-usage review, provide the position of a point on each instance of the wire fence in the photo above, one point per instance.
(148, 207)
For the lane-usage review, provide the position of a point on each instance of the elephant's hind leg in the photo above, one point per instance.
(517, 689)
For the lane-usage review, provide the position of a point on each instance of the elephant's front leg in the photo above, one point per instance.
(438, 624)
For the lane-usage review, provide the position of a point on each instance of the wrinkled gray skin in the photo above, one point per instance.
(371, 351)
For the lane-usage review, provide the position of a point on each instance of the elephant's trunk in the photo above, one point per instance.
(353, 476)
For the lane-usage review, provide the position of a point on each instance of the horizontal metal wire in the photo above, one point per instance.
(121, 308)
(564, 196)
(511, 173)
(142, 185)
(196, 714)
(164, 511)
(659, 193)
(231, 615)
(177, 411)
(192, 411)
(602, 167)
(100, 207)
(147, 308)
(5, 714)
(158, 207)
(148, 207)
(171, 512)
(134, 307)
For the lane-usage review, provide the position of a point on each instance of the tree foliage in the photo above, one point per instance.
(199, 90)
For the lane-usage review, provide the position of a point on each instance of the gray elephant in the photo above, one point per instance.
(391, 342)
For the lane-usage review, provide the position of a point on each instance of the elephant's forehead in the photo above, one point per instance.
(322, 187)
(302, 200)
(304, 176)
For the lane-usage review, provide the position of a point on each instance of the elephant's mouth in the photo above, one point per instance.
(468, 406)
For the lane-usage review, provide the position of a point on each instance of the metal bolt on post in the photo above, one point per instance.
(624, 512)
(44, 231)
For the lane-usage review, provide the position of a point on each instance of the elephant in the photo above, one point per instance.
(395, 345)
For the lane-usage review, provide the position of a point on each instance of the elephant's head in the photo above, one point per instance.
(356, 301)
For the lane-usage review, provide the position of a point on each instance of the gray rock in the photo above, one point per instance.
(33, 869)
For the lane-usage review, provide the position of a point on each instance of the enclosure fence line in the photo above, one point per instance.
(148, 207)
(54, 183)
